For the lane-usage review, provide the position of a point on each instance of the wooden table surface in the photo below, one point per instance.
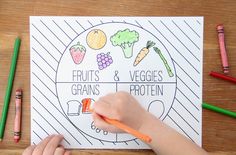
(219, 132)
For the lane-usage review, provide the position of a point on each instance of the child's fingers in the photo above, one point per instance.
(101, 124)
(109, 98)
(102, 108)
(52, 144)
(59, 151)
(29, 150)
(41, 146)
(67, 152)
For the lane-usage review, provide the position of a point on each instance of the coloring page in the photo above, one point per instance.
(76, 60)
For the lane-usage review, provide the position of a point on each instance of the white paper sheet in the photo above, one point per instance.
(67, 66)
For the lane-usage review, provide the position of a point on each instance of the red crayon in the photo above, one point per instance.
(17, 123)
(224, 77)
(221, 38)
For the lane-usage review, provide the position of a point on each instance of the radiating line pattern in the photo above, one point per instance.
(49, 36)
(184, 39)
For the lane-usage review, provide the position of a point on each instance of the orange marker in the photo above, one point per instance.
(17, 123)
(126, 128)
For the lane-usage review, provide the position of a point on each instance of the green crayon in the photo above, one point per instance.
(9, 87)
(219, 110)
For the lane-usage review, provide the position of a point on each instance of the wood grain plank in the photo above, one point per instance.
(219, 132)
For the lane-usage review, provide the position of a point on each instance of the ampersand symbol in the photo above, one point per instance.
(116, 77)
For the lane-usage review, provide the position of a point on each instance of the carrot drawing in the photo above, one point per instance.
(144, 51)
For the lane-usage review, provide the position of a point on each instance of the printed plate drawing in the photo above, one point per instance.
(75, 60)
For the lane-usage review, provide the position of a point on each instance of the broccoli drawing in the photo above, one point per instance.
(125, 39)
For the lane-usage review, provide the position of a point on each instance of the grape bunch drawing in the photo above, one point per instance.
(104, 60)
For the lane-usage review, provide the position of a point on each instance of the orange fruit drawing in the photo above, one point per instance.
(96, 39)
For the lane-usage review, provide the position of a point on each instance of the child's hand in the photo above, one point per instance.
(49, 146)
(120, 106)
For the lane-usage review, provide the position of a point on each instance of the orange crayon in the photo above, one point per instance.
(17, 123)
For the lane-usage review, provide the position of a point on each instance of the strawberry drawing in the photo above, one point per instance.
(77, 52)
